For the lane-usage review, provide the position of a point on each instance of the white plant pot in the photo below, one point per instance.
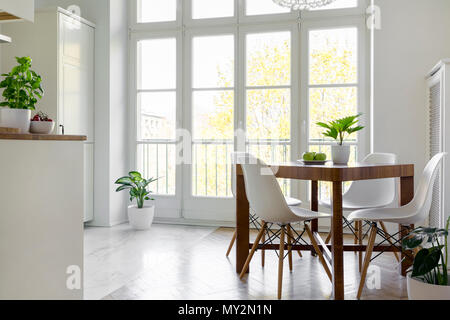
(418, 290)
(15, 118)
(141, 219)
(340, 154)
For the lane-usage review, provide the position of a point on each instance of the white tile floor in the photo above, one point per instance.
(116, 256)
(183, 262)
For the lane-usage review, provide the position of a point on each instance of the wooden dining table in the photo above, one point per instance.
(336, 175)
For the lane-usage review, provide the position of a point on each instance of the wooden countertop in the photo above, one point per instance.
(41, 137)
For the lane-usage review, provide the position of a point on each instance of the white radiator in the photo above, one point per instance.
(439, 130)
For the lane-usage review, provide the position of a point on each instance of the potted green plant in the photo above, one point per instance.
(337, 130)
(429, 277)
(141, 214)
(22, 89)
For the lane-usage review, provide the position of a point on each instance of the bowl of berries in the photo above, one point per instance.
(42, 124)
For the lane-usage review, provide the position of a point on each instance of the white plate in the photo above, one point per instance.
(313, 162)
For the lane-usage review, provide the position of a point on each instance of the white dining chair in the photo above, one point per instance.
(415, 212)
(367, 194)
(266, 199)
(253, 218)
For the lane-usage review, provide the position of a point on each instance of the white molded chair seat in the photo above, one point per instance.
(300, 215)
(292, 202)
(370, 193)
(414, 212)
(404, 215)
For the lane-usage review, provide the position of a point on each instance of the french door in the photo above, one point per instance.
(238, 98)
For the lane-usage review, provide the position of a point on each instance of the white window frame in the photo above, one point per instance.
(295, 58)
(196, 207)
(169, 205)
(219, 211)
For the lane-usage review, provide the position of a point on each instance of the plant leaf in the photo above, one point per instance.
(125, 180)
(425, 261)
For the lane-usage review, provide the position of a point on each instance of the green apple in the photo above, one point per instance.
(320, 157)
(309, 156)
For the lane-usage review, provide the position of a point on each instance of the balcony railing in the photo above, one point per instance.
(211, 164)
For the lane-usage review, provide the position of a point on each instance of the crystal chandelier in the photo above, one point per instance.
(303, 4)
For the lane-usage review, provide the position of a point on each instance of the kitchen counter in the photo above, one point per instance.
(42, 137)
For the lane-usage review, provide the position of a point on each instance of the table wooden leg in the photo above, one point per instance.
(314, 207)
(406, 260)
(337, 246)
(406, 195)
(242, 225)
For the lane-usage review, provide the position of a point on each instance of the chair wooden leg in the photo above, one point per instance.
(328, 239)
(252, 252)
(289, 238)
(368, 256)
(263, 252)
(280, 263)
(355, 236)
(233, 239)
(389, 240)
(360, 241)
(318, 251)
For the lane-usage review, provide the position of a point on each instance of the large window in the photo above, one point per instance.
(214, 67)
(156, 111)
(212, 114)
(268, 96)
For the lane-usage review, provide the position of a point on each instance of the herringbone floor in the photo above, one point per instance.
(201, 271)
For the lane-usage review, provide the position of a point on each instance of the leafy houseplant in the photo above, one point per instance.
(430, 267)
(139, 215)
(22, 86)
(337, 130)
(22, 90)
(137, 186)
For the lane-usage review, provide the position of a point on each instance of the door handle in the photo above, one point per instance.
(62, 128)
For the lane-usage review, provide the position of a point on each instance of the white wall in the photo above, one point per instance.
(118, 84)
(414, 35)
(111, 91)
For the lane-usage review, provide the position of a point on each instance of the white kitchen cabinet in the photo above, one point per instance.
(41, 227)
(61, 46)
